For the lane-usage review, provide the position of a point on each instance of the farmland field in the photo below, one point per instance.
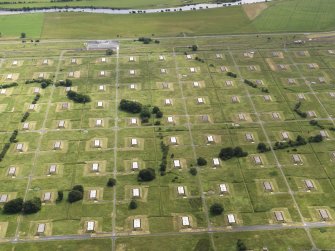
(204, 110)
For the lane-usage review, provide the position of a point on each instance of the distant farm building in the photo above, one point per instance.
(102, 45)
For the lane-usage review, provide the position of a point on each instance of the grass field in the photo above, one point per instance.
(279, 16)
(160, 208)
(12, 26)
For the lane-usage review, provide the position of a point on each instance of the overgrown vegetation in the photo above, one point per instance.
(165, 152)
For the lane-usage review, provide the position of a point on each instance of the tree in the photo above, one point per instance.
(194, 47)
(145, 114)
(147, 174)
(238, 152)
(315, 139)
(133, 204)
(130, 106)
(23, 35)
(240, 245)
(201, 161)
(13, 206)
(301, 140)
(229, 152)
(216, 209)
(159, 114)
(155, 109)
(78, 97)
(109, 52)
(68, 82)
(32, 206)
(193, 171)
(60, 196)
(74, 196)
(226, 153)
(261, 148)
(111, 182)
(79, 188)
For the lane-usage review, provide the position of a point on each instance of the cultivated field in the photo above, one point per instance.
(228, 110)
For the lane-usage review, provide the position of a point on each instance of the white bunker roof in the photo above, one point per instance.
(185, 221)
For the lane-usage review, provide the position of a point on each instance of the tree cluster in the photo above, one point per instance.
(201, 161)
(4, 86)
(76, 194)
(6, 146)
(60, 196)
(130, 106)
(315, 139)
(157, 111)
(199, 59)
(111, 182)
(145, 40)
(12, 138)
(109, 52)
(145, 114)
(194, 47)
(165, 151)
(314, 122)
(4, 151)
(32, 206)
(36, 98)
(133, 204)
(298, 111)
(44, 82)
(78, 97)
(147, 174)
(241, 246)
(193, 171)
(17, 206)
(229, 152)
(66, 83)
(300, 141)
(262, 148)
(231, 74)
(250, 83)
(216, 209)
(25, 116)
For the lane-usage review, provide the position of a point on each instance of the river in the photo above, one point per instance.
(130, 11)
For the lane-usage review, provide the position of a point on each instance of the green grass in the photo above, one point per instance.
(82, 245)
(69, 25)
(280, 16)
(160, 205)
(13, 25)
(297, 15)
